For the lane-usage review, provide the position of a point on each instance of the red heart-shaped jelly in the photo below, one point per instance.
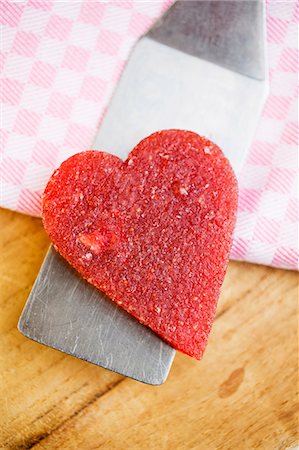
(154, 232)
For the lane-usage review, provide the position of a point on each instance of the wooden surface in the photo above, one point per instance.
(242, 395)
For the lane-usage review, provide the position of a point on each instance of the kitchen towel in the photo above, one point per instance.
(61, 60)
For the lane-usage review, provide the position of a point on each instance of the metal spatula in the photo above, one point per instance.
(202, 68)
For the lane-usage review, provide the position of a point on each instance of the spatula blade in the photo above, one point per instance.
(181, 75)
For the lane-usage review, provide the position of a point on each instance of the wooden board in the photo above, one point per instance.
(242, 395)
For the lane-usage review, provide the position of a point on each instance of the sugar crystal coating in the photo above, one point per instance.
(153, 233)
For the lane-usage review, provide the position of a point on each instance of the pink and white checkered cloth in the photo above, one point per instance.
(60, 62)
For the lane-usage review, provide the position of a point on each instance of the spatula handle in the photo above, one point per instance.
(228, 33)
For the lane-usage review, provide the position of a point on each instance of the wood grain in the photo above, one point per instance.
(242, 395)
